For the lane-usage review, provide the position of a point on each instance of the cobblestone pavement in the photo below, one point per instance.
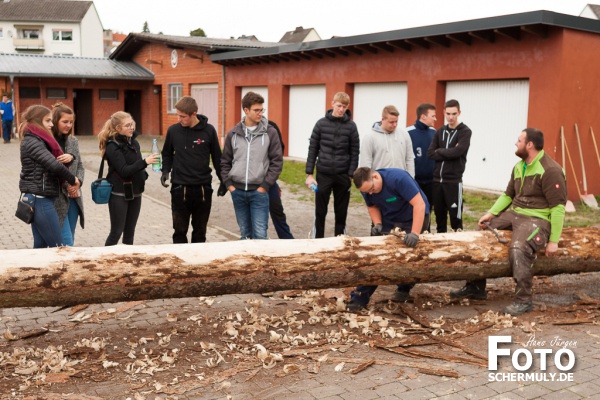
(382, 380)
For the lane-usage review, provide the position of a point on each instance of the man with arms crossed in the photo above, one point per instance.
(449, 149)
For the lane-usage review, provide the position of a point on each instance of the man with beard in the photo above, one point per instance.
(533, 207)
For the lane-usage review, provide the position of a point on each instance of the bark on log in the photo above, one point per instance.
(69, 276)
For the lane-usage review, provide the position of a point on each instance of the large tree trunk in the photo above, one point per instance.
(68, 276)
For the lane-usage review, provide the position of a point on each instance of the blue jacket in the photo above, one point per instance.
(394, 199)
(421, 136)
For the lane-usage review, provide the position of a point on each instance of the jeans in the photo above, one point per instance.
(69, 224)
(193, 201)
(252, 213)
(45, 226)
(7, 129)
(277, 214)
(123, 218)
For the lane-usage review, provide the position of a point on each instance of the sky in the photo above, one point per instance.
(268, 20)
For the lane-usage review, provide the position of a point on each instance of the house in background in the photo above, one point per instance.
(93, 87)
(50, 27)
(591, 11)
(300, 35)
(112, 40)
(182, 67)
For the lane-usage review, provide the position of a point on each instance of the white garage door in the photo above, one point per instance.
(263, 91)
(496, 112)
(207, 97)
(370, 98)
(307, 105)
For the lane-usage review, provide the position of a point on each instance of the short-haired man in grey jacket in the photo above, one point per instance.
(251, 163)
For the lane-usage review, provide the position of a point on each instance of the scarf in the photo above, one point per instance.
(47, 138)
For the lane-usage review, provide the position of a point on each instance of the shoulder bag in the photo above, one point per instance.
(101, 187)
(24, 211)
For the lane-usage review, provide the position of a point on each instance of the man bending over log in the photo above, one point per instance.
(533, 207)
(394, 200)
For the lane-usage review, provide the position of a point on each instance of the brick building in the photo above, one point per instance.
(539, 69)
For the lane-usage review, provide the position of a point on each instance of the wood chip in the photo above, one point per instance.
(362, 367)
(439, 372)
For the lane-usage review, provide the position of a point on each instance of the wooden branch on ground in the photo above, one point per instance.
(76, 275)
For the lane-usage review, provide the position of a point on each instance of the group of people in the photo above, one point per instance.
(402, 175)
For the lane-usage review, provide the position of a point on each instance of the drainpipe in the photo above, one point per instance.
(223, 105)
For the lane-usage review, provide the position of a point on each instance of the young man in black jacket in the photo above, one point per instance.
(188, 149)
(449, 149)
(334, 148)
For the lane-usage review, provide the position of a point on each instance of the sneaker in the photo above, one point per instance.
(469, 291)
(518, 308)
(400, 296)
(355, 306)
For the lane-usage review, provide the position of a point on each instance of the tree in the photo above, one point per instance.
(76, 275)
(145, 29)
(198, 32)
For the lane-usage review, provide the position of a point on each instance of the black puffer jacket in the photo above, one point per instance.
(334, 146)
(40, 171)
(125, 164)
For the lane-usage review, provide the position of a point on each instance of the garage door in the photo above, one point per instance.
(307, 105)
(207, 97)
(263, 91)
(496, 112)
(370, 98)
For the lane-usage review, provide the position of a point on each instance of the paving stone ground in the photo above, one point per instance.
(376, 382)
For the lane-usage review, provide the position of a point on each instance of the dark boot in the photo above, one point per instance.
(471, 290)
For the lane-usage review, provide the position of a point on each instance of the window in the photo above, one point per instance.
(56, 93)
(30, 34)
(109, 94)
(64, 35)
(29, 92)
(174, 93)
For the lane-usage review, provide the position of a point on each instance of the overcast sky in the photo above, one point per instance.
(268, 20)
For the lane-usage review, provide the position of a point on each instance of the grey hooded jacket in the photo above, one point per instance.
(251, 159)
(380, 149)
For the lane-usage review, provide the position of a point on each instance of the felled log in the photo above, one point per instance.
(76, 275)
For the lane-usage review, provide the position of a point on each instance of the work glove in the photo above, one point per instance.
(411, 239)
(163, 179)
(222, 191)
(377, 230)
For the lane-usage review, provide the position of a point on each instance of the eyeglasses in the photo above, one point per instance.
(129, 125)
(371, 189)
(259, 110)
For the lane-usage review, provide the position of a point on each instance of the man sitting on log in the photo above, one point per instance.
(394, 200)
(536, 194)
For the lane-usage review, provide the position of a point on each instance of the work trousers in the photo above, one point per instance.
(340, 186)
(529, 235)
